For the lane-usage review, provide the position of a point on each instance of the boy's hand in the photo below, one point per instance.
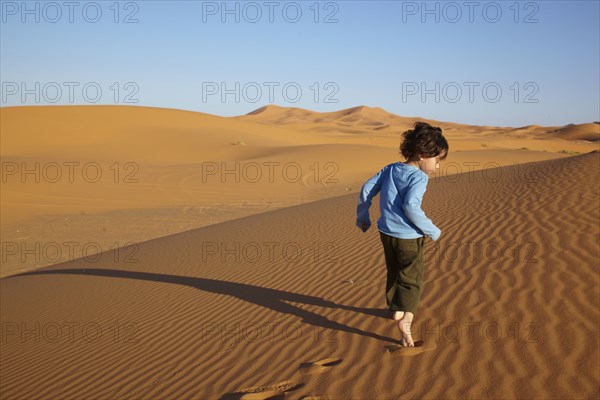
(364, 225)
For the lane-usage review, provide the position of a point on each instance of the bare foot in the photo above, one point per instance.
(404, 325)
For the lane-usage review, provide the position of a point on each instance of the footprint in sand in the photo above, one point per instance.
(270, 392)
(420, 347)
(319, 366)
(268, 395)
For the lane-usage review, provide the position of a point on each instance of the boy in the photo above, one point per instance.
(403, 224)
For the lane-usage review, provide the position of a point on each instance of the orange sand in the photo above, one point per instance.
(214, 302)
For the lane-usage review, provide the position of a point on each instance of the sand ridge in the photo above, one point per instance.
(246, 307)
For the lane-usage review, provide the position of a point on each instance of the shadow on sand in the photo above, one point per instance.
(273, 299)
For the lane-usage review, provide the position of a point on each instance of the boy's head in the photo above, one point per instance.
(424, 145)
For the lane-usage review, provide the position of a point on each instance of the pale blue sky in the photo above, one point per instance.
(545, 59)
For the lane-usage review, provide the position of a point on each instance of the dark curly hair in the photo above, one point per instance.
(424, 140)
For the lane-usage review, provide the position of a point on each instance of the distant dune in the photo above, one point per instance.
(589, 132)
(362, 116)
(359, 119)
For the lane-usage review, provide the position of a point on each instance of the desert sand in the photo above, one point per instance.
(266, 289)
(78, 180)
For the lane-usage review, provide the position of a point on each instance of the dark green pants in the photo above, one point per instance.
(404, 261)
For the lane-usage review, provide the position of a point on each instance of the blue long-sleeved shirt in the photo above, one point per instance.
(402, 187)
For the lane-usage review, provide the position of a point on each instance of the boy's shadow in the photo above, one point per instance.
(274, 299)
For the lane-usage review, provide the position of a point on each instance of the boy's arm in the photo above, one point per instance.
(412, 208)
(369, 190)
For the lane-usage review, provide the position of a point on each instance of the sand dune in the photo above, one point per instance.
(589, 132)
(163, 171)
(363, 119)
(289, 303)
(359, 119)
